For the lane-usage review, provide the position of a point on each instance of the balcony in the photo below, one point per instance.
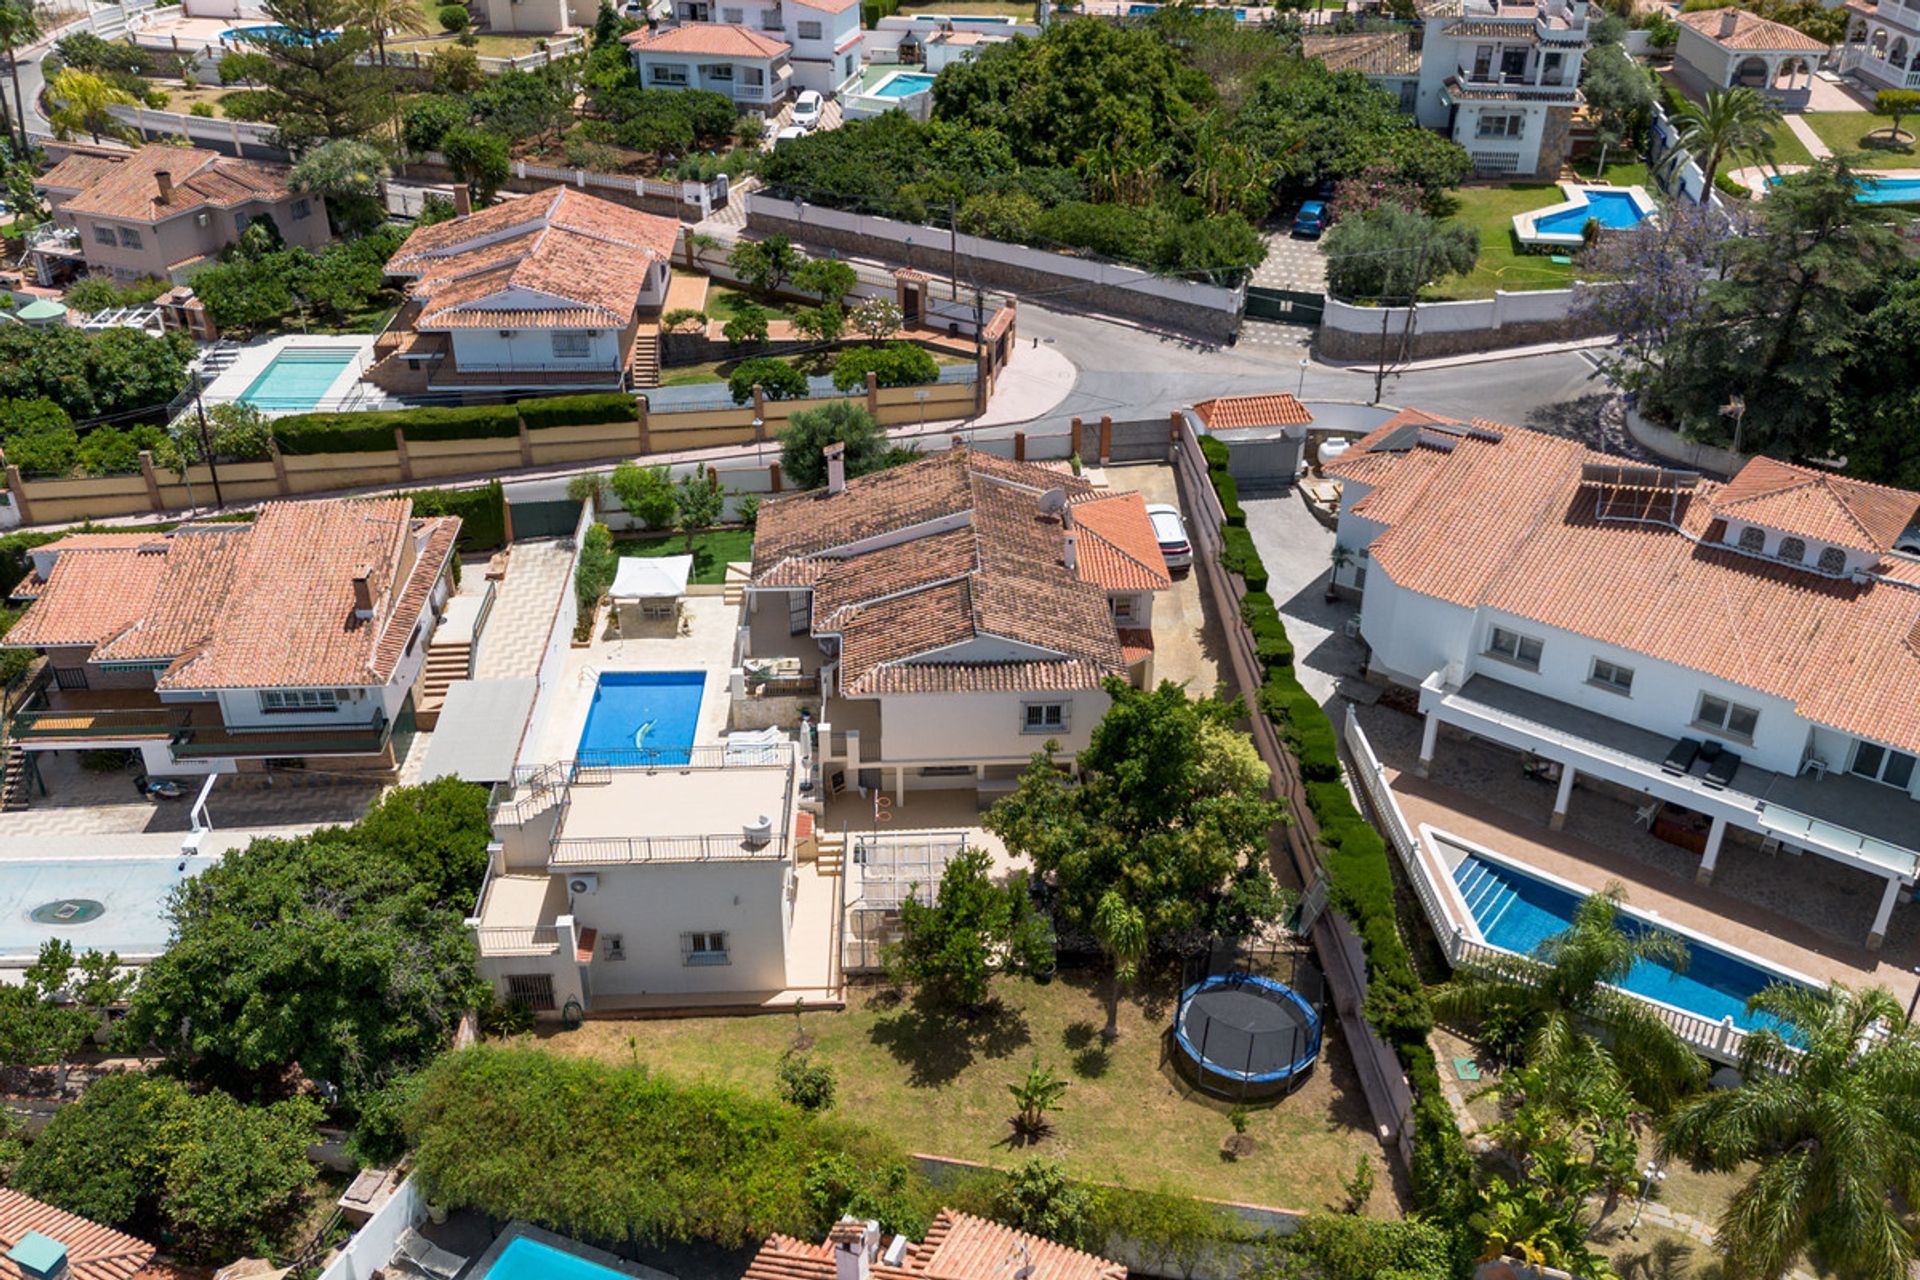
(59, 719)
(1850, 820)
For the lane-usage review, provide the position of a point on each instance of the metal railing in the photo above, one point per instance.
(511, 940)
(41, 723)
(596, 851)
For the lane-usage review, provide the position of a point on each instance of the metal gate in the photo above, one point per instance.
(544, 519)
(1289, 306)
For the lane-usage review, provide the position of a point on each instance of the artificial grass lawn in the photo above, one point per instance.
(1622, 170)
(1502, 265)
(936, 1083)
(712, 551)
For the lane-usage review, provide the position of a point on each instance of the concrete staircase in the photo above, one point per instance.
(643, 362)
(13, 780)
(831, 858)
(733, 590)
(447, 661)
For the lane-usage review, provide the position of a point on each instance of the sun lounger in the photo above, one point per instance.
(1720, 772)
(1681, 755)
(428, 1258)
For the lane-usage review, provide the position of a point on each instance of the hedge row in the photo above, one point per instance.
(1224, 486)
(1359, 874)
(588, 410)
(372, 432)
(482, 512)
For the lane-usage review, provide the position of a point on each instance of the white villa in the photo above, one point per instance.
(754, 68)
(823, 36)
(959, 612)
(1737, 656)
(1729, 48)
(1883, 43)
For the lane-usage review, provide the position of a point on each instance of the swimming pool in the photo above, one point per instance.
(1879, 190)
(270, 30)
(902, 84)
(297, 378)
(525, 1258)
(642, 717)
(98, 904)
(1518, 912)
(1615, 210)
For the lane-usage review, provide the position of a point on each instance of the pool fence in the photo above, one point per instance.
(371, 1250)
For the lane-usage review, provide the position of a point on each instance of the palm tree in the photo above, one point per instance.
(81, 100)
(1568, 995)
(17, 27)
(1834, 1133)
(1730, 124)
(388, 17)
(1121, 931)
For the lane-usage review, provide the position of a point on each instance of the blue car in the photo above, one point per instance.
(1311, 220)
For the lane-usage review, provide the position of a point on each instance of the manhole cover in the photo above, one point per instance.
(68, 911)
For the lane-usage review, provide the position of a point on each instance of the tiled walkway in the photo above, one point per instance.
(1292, 264)
(1807, 913)
(516, 632)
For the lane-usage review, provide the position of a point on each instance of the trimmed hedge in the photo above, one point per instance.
(1359, 880)
(373, 432)
(1224, 487)
(590, 410)
(482, 512)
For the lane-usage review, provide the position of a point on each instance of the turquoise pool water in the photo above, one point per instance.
(903, 84)
(98, 904)
(1615, 210)
(526, 1259)
(641, 717)
(270, 30)
(298, 377)
(1519, 912)
(1881, 190)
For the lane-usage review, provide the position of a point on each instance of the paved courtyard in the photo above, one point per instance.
(1298, 552)
(1292, 263)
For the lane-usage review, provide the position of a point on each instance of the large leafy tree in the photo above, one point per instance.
(1827, 1121)
(1568, 998)
(81, 102)
(1389, 254)
(316, 88)
(810, 431)
(1653, 279)
(93, 374)
(350, 175)
(956, 935)
(1876, 416)
(1171, 814)
(1618, 90)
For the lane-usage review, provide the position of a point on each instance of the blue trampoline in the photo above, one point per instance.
(1245, 1035)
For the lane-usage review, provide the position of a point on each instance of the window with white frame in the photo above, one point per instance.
(1727, 716)
(1516, 648)
(721, 71)
(129, 238)
(662, 74)
(808, 30)
(770, 20)
(735, 16)
(1124, 610)
(105, 236)
(572, 346)
(1882, 764)
(300, 699)
(1043, 717)
(1611, 675)
(1501, 124)
(753, 76)
(704, 948)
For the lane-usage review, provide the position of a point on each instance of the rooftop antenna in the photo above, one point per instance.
(1053, 502)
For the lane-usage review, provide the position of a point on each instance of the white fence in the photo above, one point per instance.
(1447, 913)
(372, 1247)
(699, 195)
(239, 134)
(1535, 306)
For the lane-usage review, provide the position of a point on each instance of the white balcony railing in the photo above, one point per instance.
(518, 940)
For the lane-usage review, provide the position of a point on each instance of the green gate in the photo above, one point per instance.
(544, 519)
(1288, 306)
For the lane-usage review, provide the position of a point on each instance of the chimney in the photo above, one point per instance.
(836, 456)
(462, 199)
(854, 1245)
(363, 591)
(1070, 550)
(39, 1257)
(1729, 19)
(163, 178)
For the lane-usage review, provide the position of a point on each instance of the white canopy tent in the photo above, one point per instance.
(649, 587)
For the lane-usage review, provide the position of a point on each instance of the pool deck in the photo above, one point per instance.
(1805, 914)
(254, 358)
(1526, 225)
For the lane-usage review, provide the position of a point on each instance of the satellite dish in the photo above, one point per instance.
(1053, 502)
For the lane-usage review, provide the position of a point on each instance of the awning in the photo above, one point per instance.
(478, 733)
(651, 577)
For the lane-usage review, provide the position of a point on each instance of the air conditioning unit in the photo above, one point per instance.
(507, 333)
(581, 886)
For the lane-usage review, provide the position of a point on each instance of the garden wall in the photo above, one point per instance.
(1670, 444)
(1519, 319)
(1208, 311)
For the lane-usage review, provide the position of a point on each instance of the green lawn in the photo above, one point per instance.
(1845, 132)
(711, 551)
(1787, 147)
(486, 46)
(723, 302)
(1622, 170)
(937, 1083)
(1490, 210)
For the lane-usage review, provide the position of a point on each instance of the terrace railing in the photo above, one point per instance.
(518, 940)
(597, 851)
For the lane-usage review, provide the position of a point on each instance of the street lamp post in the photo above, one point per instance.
(1736, 408)
(1650, 1175)
(1301, 390)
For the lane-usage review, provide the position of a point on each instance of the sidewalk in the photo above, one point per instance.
(1472, 357)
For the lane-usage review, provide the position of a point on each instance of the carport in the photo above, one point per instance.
(478, 736)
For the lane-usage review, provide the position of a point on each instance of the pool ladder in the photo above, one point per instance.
(1487, 895)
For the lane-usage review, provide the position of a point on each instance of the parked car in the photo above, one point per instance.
(806, 108)
(1311, 220)
(788, 134)
(1171, 532)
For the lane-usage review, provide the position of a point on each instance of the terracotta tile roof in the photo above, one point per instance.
(913, 563)
(261, 605)
(584, 944)
(94, 1252)
(1750, 31)
(1117, 548)
(1136, 643)
(1506, 524)
(1371, 53)
(557, 259)
(128, 188)
(829, 6)
(33, 584)
(1818, 505)
(958, 1246)
(709, 40)
(1228, 412)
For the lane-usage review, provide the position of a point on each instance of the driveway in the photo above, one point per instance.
(1298, 552)
(1292, 264)
(1187, 639)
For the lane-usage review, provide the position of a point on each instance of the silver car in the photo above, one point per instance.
(1171, 532)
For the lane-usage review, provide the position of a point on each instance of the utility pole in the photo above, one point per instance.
(206, 444)
(1736, 407)
(953, 250)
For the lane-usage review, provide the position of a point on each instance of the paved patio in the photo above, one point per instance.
(1187, 641)
(1807, 913)
(516, 631)
(1291, 263)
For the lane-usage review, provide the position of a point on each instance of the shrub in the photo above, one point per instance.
(645, 493)
(1228, 492)
(808, 1085)
(597, 567)
(777, 380)
(898, 364)
(202, 109)
(373, 432)
(1237, 553)
(453, 17)
(38, 437)
(578, 411)
(482, 512)
(426, 120)
(115, 451)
